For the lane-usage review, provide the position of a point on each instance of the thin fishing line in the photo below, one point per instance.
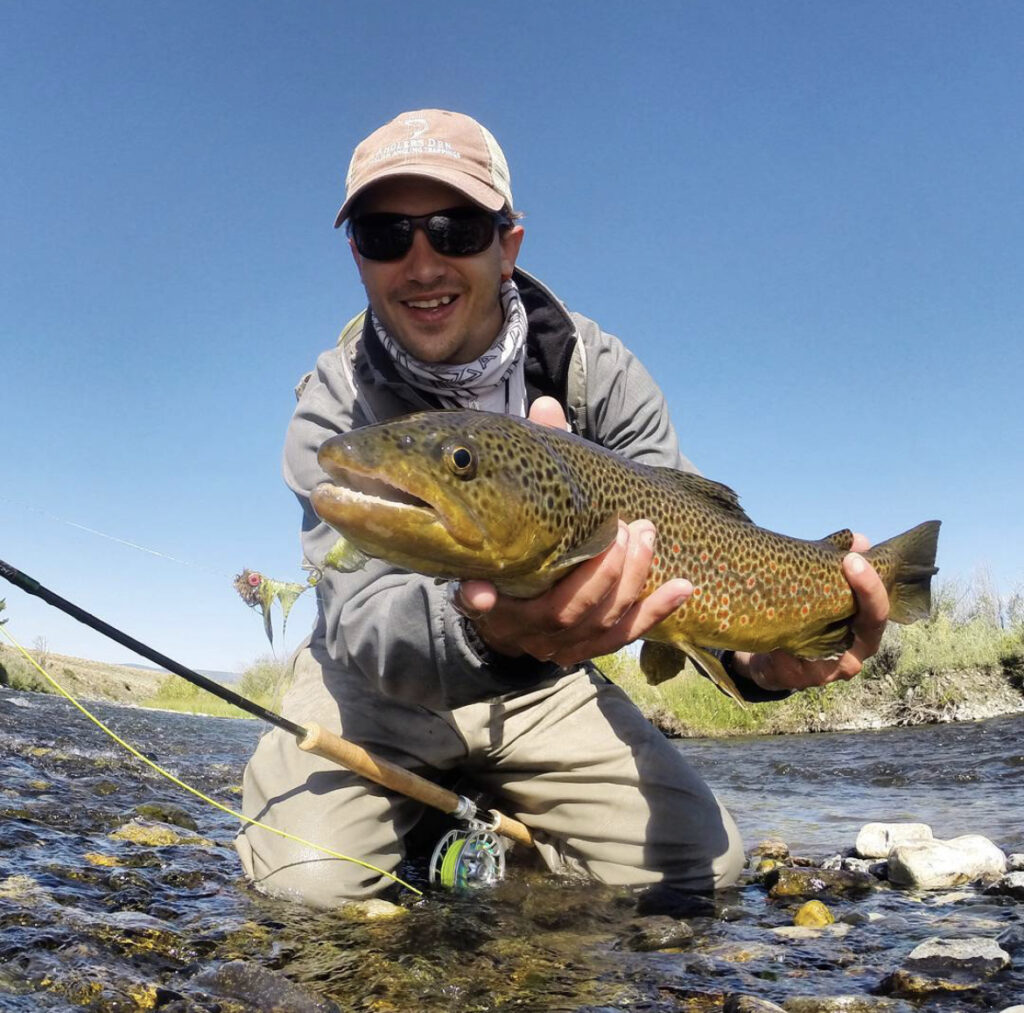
(112, 538)
(195, 791)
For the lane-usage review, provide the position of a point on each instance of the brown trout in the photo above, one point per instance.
(467, 494)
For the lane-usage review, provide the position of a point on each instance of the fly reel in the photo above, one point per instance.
(469, 858)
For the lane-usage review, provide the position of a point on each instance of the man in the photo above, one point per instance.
(463, 678)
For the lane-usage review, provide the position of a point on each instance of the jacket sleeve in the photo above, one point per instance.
(398, 630)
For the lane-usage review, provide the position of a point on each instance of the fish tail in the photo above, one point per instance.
(912, 556)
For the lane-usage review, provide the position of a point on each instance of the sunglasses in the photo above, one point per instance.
(455, 232)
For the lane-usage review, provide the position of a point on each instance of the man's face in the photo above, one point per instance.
(408, 295)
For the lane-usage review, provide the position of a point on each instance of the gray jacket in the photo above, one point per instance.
(397, 630)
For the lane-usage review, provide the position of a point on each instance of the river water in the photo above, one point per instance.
(95, 922)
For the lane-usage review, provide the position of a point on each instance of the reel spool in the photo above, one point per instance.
(468, 859)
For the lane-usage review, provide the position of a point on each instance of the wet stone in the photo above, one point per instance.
(1015, 862)
(163, 812)
(845, 1004)
(876, 840)
(771, 847)
(815, 883)
(1011, 885)
(1012, 939)
(749, 1004)
(814, 915)
(975, 955)
(936, 865)
(658, 932)
(261, 988)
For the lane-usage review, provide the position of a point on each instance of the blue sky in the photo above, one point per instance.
(806, 218)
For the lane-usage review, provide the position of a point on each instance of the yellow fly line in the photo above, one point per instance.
(187, 787)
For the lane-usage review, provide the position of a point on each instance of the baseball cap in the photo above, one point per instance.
(449, 147)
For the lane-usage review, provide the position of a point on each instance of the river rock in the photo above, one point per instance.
(933, 865)
(1013, 1009)
(1015, 862)
(1011, 885)
(816, 883)
(876, 840)
(1012, 939)
(771, 847)
(974, 955)
(658, 932)
(264, 988)
(878, 869)
(813, 914)
(845, 1004)
(749, 1004)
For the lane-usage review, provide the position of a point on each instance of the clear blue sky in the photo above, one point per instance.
(806, 218)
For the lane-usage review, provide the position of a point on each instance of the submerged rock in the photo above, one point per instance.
(932, 865)
(786, 882)
(749, 1004)
(263, 988)
(658, 932)
(845, 1004)
(876, 840)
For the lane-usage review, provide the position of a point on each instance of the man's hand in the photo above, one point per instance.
(779, 670)
(593, 610)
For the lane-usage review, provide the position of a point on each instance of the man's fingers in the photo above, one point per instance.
(872, 605)
(548, 412)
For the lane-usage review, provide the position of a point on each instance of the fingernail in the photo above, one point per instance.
(622, 535)
(683, 591)
(856, 563)
(647, 538)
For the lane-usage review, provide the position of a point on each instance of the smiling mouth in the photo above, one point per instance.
(430, 304)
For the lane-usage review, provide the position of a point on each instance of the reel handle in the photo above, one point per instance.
(321, 742)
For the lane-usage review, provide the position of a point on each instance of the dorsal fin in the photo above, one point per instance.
(715, 493)
(842, 540)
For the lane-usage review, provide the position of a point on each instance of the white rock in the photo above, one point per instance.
(932, 865)
(1015, 863)
(1013, 1009)
(1011, 884)
(974, 954)
(876, 840)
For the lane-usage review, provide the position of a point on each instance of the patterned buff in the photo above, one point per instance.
(495, 382)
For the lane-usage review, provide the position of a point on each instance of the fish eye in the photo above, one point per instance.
(461, 461)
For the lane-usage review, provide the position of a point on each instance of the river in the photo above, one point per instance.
(93, 922)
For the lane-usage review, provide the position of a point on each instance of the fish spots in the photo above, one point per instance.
(751, 582)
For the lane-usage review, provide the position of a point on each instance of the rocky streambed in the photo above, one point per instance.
(119, 892)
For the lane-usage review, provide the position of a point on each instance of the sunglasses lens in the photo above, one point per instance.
(455, 234)
(382, 237)
(461, 232)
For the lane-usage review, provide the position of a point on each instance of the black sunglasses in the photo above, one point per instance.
(454, 232)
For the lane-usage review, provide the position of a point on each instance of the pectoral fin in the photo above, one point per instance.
(661, 662)
(824, 642)
(593, 546)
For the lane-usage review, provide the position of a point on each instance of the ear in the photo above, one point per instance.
(510, 240)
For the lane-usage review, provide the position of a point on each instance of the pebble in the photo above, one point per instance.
(838, 930)
(935, 864)
(658, 932)
(876, 840)
(975, 955)
(771, 847)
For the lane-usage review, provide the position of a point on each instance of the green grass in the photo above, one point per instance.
(973, 643)
(259, 683)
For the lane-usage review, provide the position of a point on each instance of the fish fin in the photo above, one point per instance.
(715, 493)
(910, 597)
(842, 540)
(593, 546)
(829, 641)
(661, 662)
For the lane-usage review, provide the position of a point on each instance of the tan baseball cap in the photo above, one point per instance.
(449, 147)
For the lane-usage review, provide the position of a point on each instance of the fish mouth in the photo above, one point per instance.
(371, 510)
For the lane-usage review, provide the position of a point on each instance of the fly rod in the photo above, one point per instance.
(312, 738)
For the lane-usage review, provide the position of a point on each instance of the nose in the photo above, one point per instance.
(423, 263)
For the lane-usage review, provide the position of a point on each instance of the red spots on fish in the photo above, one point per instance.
(793, 588)
(703, 557)
(724, 599)
(771, 612)
(697, 592)
(827, 589)
(656, 561)
(751, 581)
(805, 610)
(675, 549)
(744, 620)
(723, 626)
(722, 567)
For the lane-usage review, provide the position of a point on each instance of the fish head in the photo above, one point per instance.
(455, 494)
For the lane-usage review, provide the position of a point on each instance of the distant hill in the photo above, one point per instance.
(225, 678)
